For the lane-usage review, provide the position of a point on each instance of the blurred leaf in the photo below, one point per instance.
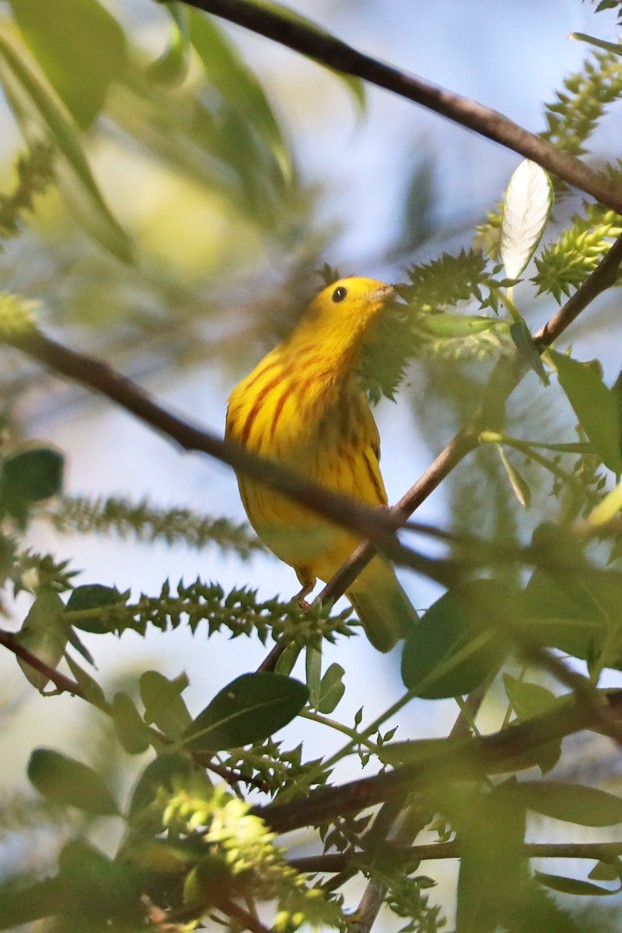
(526, 208)
(163, 703)
(287, 661)
(44, 634)
(209, 881)
(172, 66)
(517, 481)
(606, 871)
(529, 699)
(90, 688)
(70, 783)
(575, 615)
(237, 83)
(458, 325)
(251, 708)
(170, 772)
(354, 85)
(455, 646)
(22, 903)
(572, 803)
(162, 855)
(88, 597)
(313, 672)
(132, 732)
(102, 894)
(523, 341)
(41, 114)
(573, 885)
(594, 404)
(27, 477)
(332, 689)
(492, 832)
(80, 51)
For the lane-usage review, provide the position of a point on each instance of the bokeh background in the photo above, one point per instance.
(222, 273)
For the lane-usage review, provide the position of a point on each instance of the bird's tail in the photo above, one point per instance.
(382, 605)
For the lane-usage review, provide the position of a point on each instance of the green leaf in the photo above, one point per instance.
(573, 803)
(332, 688)
(518, 483)
(237, 83)
(523, 341)
(491, 828)
(81, 52)
(249, 709)
(99, 887)
(286, 663)
(132, 732)
(41, 114)
(68, 782)
(44, 634)
(455, 646)
(169, 772)
(529, 699)
(90, 688)
(163, 703)
(526, 208)
(606, 871)
(87, 598)
(172, 66)
(353, 84)
(313, 671)
(34, 474)
(594, 404)
(458, 325)
(24, 903)
(573, 885)
(27, 477)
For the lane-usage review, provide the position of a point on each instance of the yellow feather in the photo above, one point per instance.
(302, 406)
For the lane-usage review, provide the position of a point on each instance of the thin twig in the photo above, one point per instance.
(336, 54)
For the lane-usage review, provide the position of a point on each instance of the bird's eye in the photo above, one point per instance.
(339, 294)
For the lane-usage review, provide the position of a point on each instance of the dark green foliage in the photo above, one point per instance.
(249, 709)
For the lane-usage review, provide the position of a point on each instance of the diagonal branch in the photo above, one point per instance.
(464, 761)
(336, 54)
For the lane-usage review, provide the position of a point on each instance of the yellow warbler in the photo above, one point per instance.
(303, 407)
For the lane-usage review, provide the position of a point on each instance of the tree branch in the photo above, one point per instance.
(336, 54)
(62, 683)
(335, 862)
(472, 759)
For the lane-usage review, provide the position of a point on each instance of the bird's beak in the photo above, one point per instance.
(384, 293)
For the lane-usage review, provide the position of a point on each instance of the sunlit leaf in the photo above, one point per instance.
(41, 114)
(526, 208)
(81, 52)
